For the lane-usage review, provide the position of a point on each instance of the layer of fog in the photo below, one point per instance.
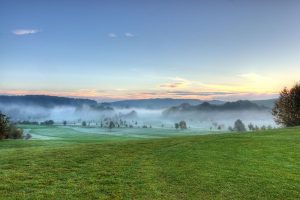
(225, 119)
(153, 118)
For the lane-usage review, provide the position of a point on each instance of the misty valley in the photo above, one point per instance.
(136, 118)
(151, 99)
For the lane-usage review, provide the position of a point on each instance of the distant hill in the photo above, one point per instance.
(267, 103)
(159, 103)
(45, 101)
(228, 106)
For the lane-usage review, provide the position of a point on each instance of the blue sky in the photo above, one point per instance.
(110, 50)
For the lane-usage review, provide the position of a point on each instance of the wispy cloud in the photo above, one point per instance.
(112, 35)
(172, 85)
(112, 95)
(191, 93)
(129, 35)
(178, 83)
(253, 76)
(25, 31)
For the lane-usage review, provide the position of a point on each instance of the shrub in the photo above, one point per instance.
(27, 136)
(8, 130)
(14, 132)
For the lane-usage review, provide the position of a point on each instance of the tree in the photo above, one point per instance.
(83, 123)
(182, 125)
(111, 125)
(239, 125)
(176, 125)
(64, 122)
(4, 126)
(47, 122)
(286, 110)
(251, 127)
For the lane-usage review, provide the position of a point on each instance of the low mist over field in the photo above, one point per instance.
(155, 113)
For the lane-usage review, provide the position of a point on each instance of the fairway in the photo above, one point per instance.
(75, 164)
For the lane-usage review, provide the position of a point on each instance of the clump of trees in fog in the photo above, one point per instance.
(9, 130)
(25, 122)
(111, 125)
(238, 126)
(182, 125)
(287, 108)
(47, 122)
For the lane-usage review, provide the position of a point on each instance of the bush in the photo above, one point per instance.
(287, 108)
(27, 136)
(8, 130)
(14, 132)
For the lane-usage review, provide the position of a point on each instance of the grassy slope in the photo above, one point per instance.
(263, 165)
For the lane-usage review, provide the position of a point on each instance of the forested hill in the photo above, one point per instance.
(45, 101)
(228, 106)
(158, 103)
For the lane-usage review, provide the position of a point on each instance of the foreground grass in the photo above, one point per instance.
(264, 165)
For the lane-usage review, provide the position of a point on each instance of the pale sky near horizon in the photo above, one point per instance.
(117, 49)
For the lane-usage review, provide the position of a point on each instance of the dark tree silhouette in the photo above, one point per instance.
(287, 108)
(4, 126)
(111, 125)
(47, 122)
(182, 125)
(8, 130)
(239, 125)
(251, 127)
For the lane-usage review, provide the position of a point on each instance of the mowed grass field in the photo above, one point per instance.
(65, 163)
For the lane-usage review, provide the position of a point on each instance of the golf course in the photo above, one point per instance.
(85, 163)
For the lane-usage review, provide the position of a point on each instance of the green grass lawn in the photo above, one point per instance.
(260, 165)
